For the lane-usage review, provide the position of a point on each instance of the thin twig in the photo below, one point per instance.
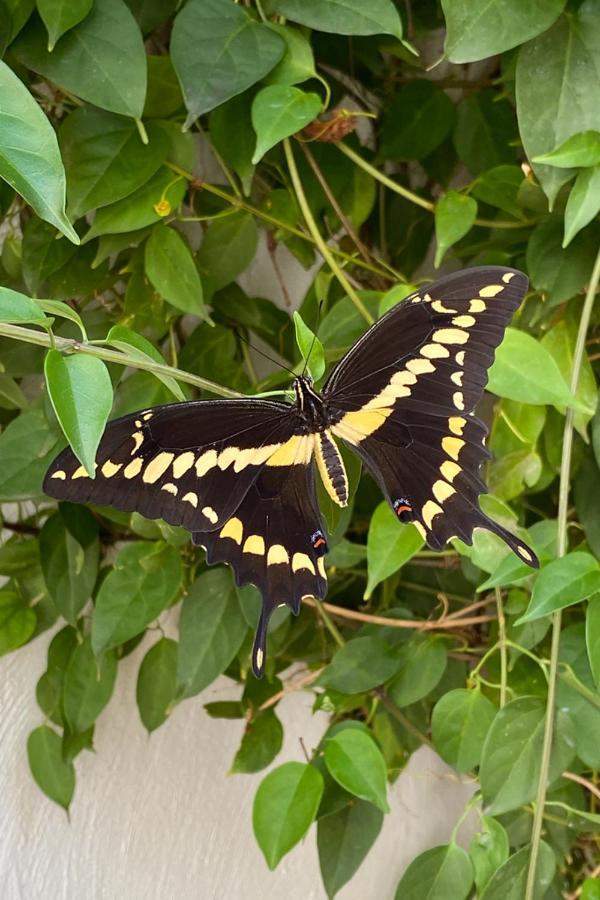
(294, 684)
(416, 624)
(579, 779)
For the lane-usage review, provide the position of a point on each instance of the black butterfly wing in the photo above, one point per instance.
(276, 541)
(190, 464)
(404, 397)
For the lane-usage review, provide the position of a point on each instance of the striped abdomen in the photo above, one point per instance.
(331, 468)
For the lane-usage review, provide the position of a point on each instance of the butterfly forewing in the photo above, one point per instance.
(405, 393)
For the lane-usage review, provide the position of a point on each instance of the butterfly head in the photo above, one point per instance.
(309, 403)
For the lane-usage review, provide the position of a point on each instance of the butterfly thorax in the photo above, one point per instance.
(315, 417)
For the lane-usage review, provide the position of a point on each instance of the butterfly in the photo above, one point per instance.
(240, 474)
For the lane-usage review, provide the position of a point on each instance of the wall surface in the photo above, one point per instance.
(158, 818)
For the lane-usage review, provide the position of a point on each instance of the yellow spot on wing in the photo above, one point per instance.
(147, 416)
(439, 307)
(420, 366)
(522, 551)
(459, 400)
(110, 468)
(138, 440)
(364, 422)
(254, 456)
(277, 554)
(490, 290)
(157, 467)
(259, 658)
(81, 472)
(205, 462)
(296, 450)
(59, 474)
(450, 336)
(464, 321)
(420, 528)
(254, 544)
(227, 456)
(302, 561)
(460, 357)
(210, 514)
(170, 489)
(434, 351)
(183, 463)
(133, 468)
(450, 470)
(477, 306)
(430, 511)
(442, 490)
(191, 498)
(507, 277)
(456, 424)
(232, 529)
(452, 446)
(321, 567)
(457, 378)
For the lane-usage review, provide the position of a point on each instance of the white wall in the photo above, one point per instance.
(158, 818)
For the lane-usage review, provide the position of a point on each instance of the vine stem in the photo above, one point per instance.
(502, 646)
(563, 502)
(324, 250)
(240, 203)
(67, 345)
(410, 195)
(328, 622)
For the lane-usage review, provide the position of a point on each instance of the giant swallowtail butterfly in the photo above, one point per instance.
(240, 474)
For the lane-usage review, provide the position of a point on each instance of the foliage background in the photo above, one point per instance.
(492, 157)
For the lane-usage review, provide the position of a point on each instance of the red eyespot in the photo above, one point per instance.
(401, 509)
(319, 542)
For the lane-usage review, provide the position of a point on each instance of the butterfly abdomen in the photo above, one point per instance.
(331, 468)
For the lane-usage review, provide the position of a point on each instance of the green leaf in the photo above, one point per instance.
(485, 128)
(562, 273)
(157, 683)
(163, 97)
(260, 745)
(590, 889)
(454, 216)
(233, 137)
(494, 26)
(419, 118)
(219, 50)
(560, 341)
(389, 546)
(43, 254)
(459, 725)
(81, 393)
(562, 583)
(356, 762)
(128, 341)
(511, 759)
(488, 850)
(592, 636)
(227, 249)
(27, 448)
(88, 686)
(422, 662)
(500, 187)
(298, 62)
(17, 621)
(170, 268)
(29, 156)
(511, 570)
(342, 16)
(343, 839)
(583, 203)
(557, 80)
(102, 60)
(144, 581)
(60, 15)
(581, 710)
(150, 203)
(310, 347)
(19, 309)
(211, 631)
(69, 552)
(105, 157)
(285, 806)
(581, 149)
(437, 874)
(53, 775)
(525, 371)
(360, 665)
(17, 556)
(279, 111)
(510, 881)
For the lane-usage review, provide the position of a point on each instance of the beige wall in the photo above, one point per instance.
(158, 818)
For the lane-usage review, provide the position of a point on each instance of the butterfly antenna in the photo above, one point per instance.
(318, 322)
(275, 362)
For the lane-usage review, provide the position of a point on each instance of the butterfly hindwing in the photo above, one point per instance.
(404, 397)
(276, 541)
